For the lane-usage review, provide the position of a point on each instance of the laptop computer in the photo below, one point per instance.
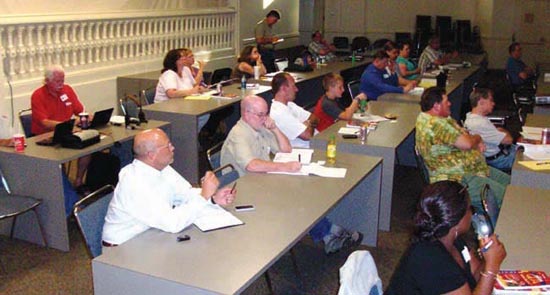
(101, 118)
(61, 131)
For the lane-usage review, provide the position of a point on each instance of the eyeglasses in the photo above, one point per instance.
(168, 145)
(260, 115)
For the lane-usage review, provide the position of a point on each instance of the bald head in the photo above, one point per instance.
(254, 111)
(145, 142)
(153, 147)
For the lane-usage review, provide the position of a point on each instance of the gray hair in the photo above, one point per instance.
(51, 70)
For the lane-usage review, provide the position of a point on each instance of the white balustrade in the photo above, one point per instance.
(32, 44)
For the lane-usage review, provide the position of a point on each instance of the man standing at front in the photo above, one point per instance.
(265, 39)
(450, 152)
(297, 124)
(151, 194)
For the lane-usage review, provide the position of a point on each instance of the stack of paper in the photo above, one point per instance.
(369, 118)
(537, 151)
(531, 133)
(352, 130)
(417, 91)
(304, 155)
(215, 217)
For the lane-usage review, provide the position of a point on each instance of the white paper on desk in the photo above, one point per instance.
(536, 151)
(215, 217)
(417, 91)
(456, 65)
(222, 97)
(354, 130)
(323, 171)
(303, 154)
(546, 77)
(210, 92)
(531, 133)
(369, 118)
(271, 75)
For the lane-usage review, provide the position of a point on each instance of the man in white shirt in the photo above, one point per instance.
(500, 151)
(151, 194)
(296, 123)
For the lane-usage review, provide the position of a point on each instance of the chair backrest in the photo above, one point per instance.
(90, 215)
(360, 44)
(25, 118)
(4, 182)
(226, 174)
(341, 42)
(354, 88)
(213, 155)
(148, 95)
(490, 204)
(281, 63)
(359, 275)
(379, 44)
(424, 173)
(129, 107)
(220, 75)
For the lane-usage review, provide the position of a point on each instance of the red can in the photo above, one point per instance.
(545, 136)
(19, 142)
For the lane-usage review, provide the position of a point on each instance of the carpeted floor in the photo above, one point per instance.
(31, 269)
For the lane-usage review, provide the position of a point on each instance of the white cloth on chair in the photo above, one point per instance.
(359, 275)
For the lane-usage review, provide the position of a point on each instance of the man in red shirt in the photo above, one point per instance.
(54, 103)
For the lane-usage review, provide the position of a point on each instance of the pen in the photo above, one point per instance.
(299, 158)
(234, 186)
(486, 247)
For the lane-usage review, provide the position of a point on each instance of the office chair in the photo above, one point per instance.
(25, 118)
(220, 75)
(12, 205)
(360, 44)
(129, 106)
(148, 95)
(90, 216)
(421, 165)
(354, 88)
(342, 45)
(226, 174)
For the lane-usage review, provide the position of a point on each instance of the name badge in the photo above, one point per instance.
(64, 97)
(68, 103)
(466, 254)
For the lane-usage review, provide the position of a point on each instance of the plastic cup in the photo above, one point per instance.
(256, 72)
(84, 120)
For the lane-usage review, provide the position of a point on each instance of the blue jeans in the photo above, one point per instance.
(505, 162)
(71, 197)
(497, 180)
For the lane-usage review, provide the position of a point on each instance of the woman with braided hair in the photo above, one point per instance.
(438, 261)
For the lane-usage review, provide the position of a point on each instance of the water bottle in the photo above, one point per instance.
(243, 83)
(331, 150)
(353, 58)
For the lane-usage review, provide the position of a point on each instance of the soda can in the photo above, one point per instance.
(545, 136)
(19, 142)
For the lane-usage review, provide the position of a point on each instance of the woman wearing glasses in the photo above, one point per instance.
(439, 261)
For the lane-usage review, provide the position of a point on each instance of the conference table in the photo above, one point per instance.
(523, 176)
(227, 261)
(392, 140)
(459, 85)
(38, 172)
(184, 113)
(524, 228)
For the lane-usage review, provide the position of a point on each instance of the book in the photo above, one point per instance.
(522, 280)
